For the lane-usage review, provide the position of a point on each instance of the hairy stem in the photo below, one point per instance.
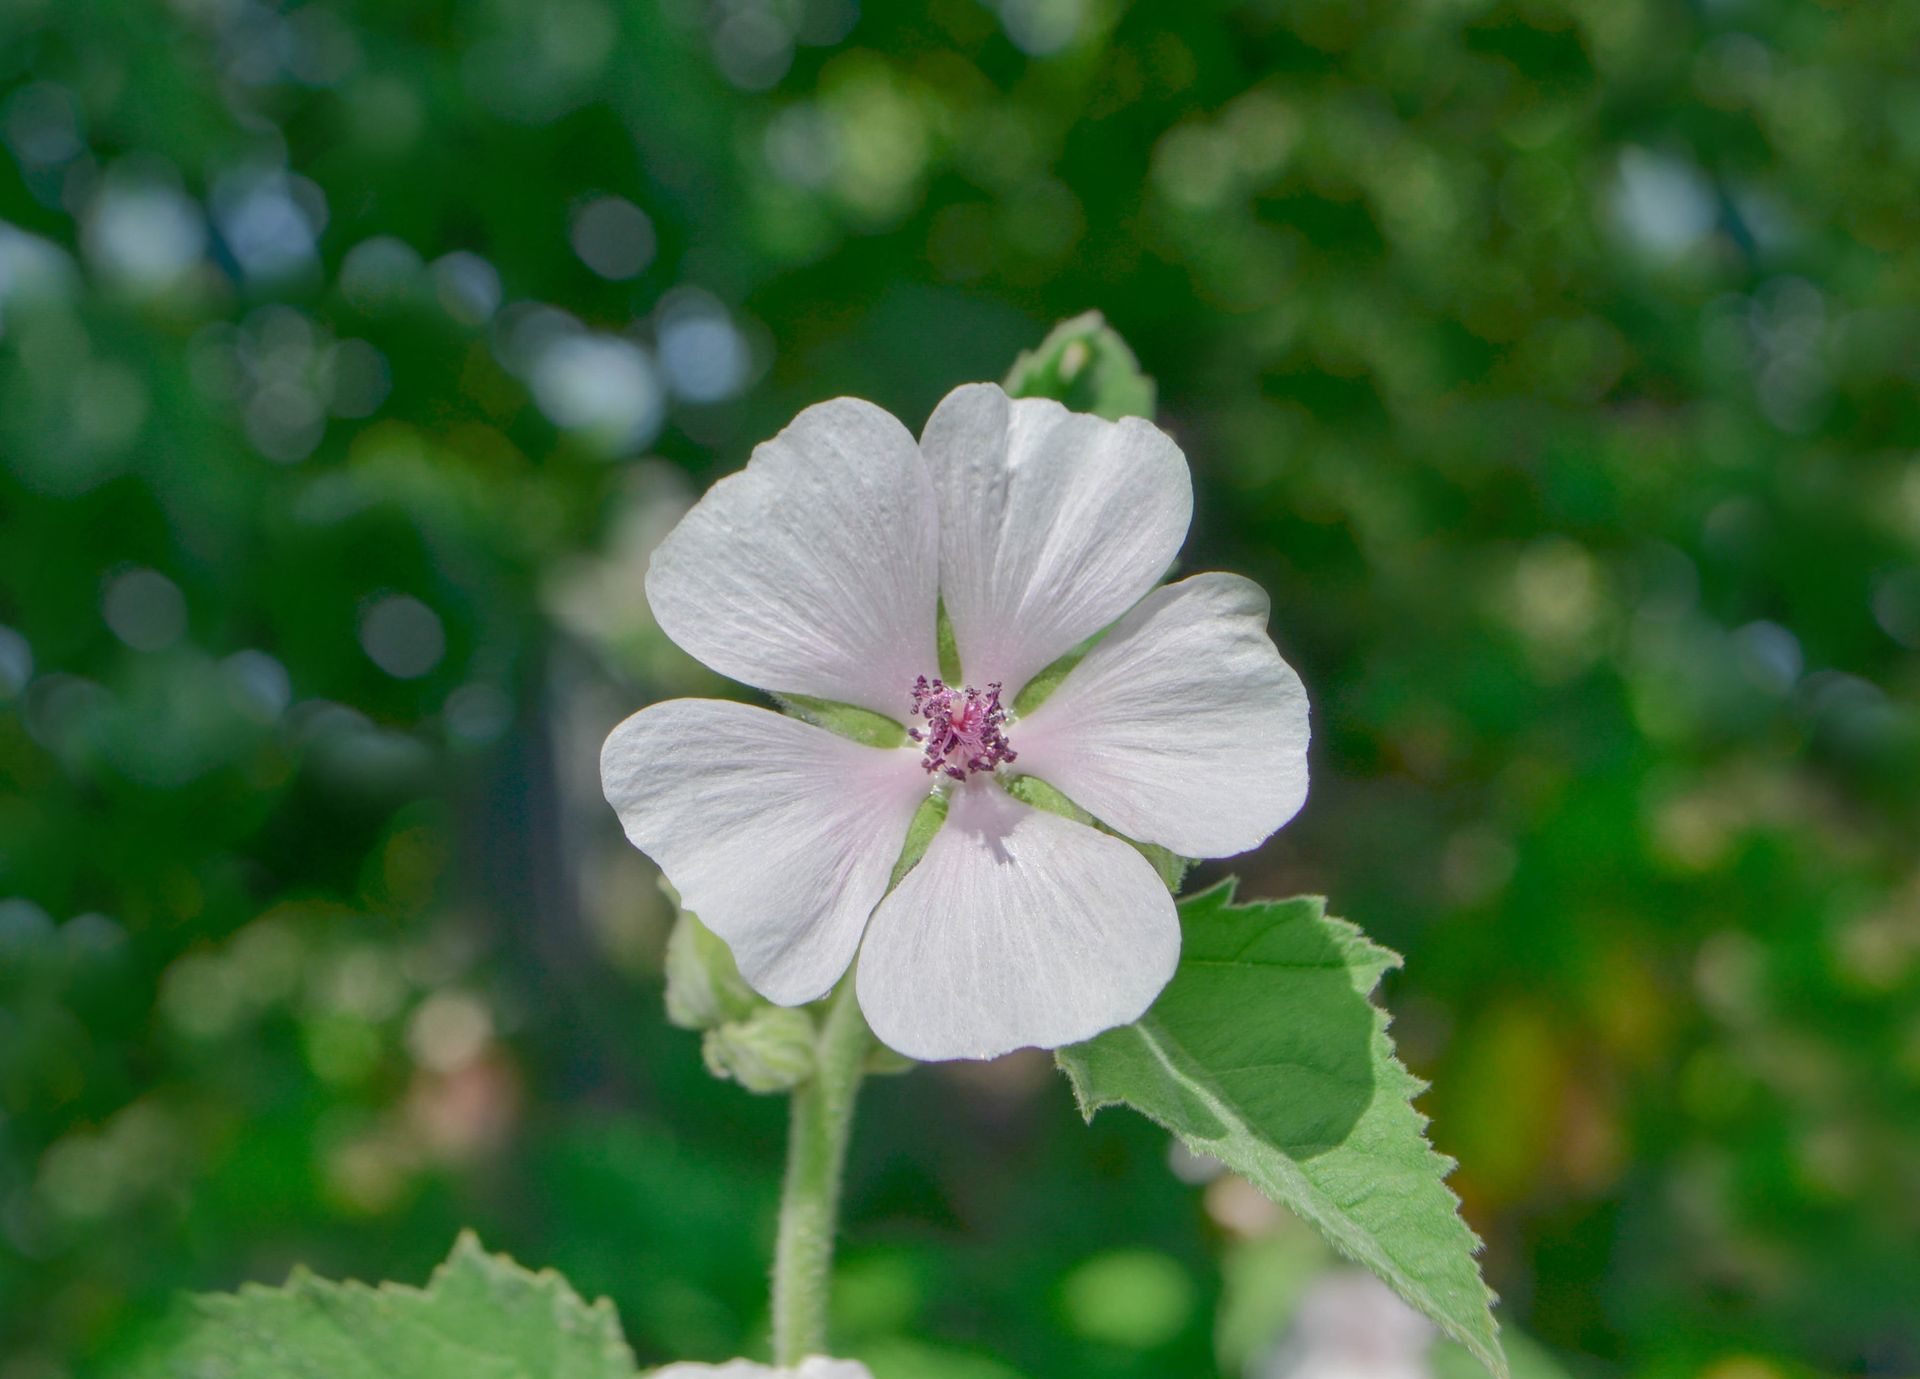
(810, 1200)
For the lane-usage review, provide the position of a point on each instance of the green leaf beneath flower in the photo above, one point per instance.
(1265, 1052)
(480, 1317)
(1084, 364)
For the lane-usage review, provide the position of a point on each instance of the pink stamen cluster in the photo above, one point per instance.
(963, 728)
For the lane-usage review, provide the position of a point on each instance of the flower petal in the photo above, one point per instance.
(813, 1367)
(779, 835)
(1018, 927)
(1052, 524)
(814, 569)
(821, 1367)
(1182, 726)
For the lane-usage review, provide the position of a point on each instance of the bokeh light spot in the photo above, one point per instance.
(602, 386)
(1132, 1298)
(379, 274)
(141, 231)
(16, 662)
(467, 287)
(613, 237)
(402, 636)
(42, 123)
(145, 609)
(702, 354)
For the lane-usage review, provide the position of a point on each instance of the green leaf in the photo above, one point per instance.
(1086, 365)
(1526, 1357)
(862, 725)
(1265, 1052)
(480, 1317)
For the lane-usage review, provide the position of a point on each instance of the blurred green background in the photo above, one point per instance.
(1552, 364)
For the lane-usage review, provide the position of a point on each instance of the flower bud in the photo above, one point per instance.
(769, 1051)
(704, 987)
(1086, 365)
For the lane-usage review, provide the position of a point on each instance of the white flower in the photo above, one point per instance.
(817, 571)
(813, 1367)
(1350, 1325)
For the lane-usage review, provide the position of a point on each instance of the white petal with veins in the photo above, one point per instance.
(779, 835)
(811, 571)
(813, 1367)
(1182, 726)
(1017, 928)
(1052, 524)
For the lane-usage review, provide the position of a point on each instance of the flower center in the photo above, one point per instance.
(963, 732)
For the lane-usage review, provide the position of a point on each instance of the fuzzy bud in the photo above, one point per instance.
(704, 986)
(770, 1051)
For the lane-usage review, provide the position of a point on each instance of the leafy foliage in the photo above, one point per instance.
(481, 1316)
(1553, 365)
(1265, 1053)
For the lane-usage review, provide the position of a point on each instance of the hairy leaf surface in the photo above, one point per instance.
(1265, 1052)
(481, 1316)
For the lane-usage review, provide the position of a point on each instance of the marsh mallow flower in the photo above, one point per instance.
(818, 572)
(813, 1367)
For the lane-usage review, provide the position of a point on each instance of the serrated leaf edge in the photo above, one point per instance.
(303, 1284)
(1382, 960)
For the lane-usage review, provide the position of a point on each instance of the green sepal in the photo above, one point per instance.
(947, 647)
(1036, 792)
(926, 822)
(1171, 867)
(1084, 364)
(861, 725)
(1035, 692)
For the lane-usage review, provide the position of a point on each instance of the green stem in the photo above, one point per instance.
(810, 1201)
